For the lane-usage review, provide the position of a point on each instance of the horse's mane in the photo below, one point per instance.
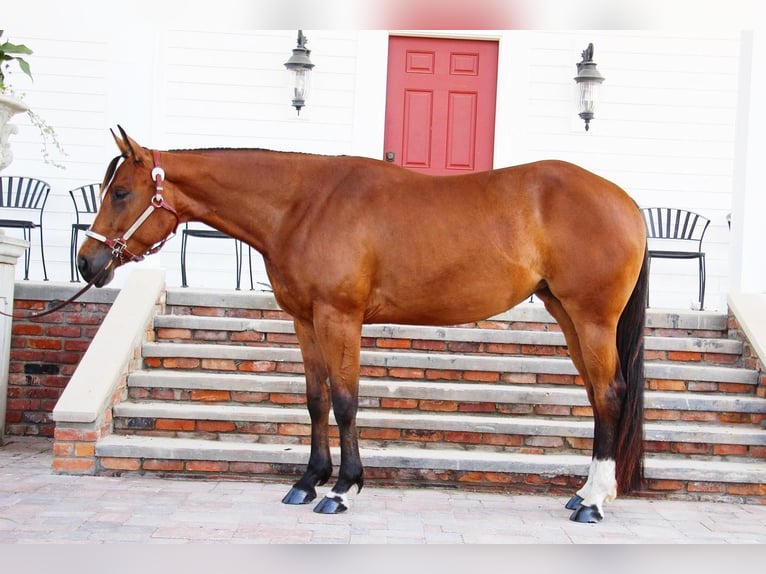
(215, 149)
(225, 149)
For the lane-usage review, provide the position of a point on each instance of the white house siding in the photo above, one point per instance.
(665, 129)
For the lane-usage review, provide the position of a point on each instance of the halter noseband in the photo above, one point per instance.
(119, 245)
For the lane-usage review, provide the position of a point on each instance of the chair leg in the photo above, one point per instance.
(27, 258)
(184, 239)
(27, 252)
(649, 275)
(703, 278)
(238, 259)
(74, 274)
(250, 266)
(42, 254)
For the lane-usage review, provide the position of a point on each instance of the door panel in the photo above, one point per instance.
(416, 144)
(461, 131)
(440, 104)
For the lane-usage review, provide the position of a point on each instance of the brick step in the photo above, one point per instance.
(547, 400)
(661, 375)
(274, 332)
(691, 478)
(466, 430)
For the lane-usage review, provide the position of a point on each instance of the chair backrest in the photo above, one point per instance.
(677, 225)
(86, 199)
(18, 192)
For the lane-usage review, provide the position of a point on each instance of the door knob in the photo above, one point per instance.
(390, 156)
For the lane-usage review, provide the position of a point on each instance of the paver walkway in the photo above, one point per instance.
(38, 506)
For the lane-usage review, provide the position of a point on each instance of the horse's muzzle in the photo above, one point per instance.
(93, 264)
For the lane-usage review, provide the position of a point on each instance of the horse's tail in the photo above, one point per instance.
(630, 348)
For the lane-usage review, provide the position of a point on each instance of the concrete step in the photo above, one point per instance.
(192, 386)
(186, 328)
(436, 365)
(466, 429)
(699, 478)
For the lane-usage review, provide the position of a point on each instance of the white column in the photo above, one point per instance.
(747, 271)
(10, 250)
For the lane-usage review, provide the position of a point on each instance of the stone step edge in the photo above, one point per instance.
(440, 391)
(444, 334)
(164, 448)
(524, 312)
(450, 362)
(663, 431)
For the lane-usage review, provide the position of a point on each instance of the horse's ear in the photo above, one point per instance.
(123, 144)
(128, 146)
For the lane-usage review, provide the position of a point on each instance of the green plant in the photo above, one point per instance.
(10, 53)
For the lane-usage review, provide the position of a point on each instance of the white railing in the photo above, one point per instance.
(91, 391)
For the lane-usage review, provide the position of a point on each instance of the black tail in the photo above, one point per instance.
(630, 347)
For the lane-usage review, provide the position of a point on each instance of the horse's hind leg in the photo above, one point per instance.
(593, 351)
(607, 395)
(319, 467)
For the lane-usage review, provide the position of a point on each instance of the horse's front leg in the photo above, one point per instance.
(319, 468)
(339, 337)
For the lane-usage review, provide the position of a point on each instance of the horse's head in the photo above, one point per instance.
(126, 227)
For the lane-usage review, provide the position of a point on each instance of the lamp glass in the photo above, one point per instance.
(300, 83)
(588, 94)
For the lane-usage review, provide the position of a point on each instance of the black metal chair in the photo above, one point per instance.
(20, 194)
(677, 234)
(86, 200)
(209, 233)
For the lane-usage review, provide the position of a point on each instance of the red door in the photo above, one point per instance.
(440, 104)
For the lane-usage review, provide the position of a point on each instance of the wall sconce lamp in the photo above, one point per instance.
(299, 67)
(588, 81)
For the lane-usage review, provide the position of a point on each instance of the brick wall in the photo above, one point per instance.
(45, 353)
(750, 358)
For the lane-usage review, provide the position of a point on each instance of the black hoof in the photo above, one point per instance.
(573, 503)
(332, 504)
(586, 515)
(299, 496)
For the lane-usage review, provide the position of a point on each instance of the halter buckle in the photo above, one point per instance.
(158, 172)
(118, 246)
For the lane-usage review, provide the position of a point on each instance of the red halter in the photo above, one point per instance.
(119, 245)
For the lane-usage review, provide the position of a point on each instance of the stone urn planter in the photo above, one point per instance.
(9, 106)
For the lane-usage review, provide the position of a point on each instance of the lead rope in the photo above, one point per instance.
(96, 277)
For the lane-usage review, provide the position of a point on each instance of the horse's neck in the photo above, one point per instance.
(244, 193)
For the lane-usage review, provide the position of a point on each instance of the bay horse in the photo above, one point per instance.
(350, 240)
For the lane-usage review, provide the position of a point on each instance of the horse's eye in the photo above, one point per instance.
(120, 193)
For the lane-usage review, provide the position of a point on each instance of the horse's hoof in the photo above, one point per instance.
(331, 504)
(587, 515)
(299, 496)
(574, 503)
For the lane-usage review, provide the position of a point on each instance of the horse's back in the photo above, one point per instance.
(458, 248)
